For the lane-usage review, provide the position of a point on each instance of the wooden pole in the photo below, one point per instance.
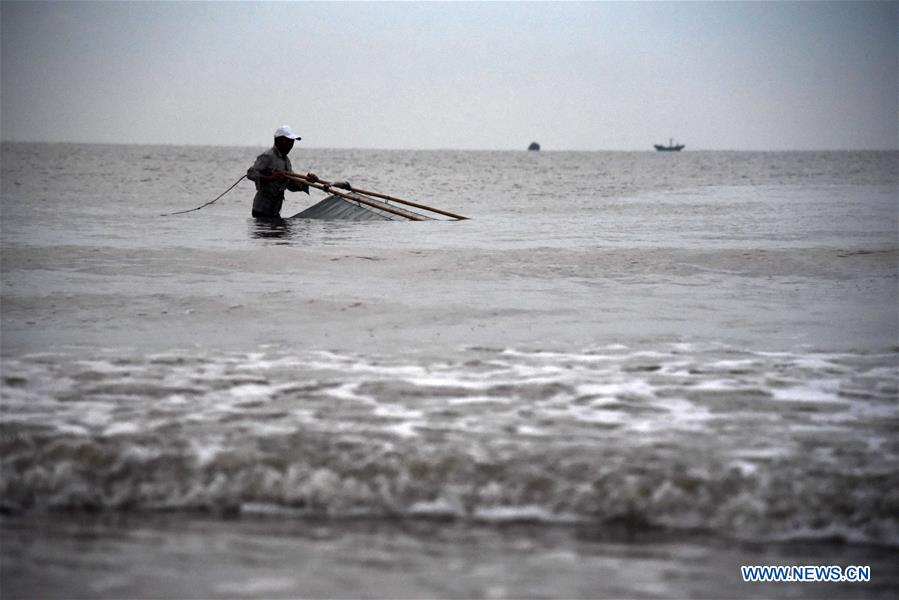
(326, 188)
(392, 198)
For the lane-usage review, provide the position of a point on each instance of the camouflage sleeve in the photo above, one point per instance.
(261, 167)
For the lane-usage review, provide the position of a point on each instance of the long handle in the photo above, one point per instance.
(393, 198)
(325, 188)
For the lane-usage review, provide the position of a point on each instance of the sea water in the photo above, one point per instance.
(626, 375)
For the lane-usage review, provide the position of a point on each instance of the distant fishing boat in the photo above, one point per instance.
(671, 147)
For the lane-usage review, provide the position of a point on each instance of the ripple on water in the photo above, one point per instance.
(748, 444)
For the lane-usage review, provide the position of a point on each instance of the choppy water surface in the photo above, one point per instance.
(677, 437)
(624, 366)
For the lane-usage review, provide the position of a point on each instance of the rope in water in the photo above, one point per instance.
(181, 212)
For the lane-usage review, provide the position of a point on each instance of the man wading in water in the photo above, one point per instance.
(268, 174)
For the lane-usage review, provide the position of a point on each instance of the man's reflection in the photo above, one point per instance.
(271, 229)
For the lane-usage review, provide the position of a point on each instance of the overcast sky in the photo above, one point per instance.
(573, 76)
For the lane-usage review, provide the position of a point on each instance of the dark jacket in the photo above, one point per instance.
(270, 194)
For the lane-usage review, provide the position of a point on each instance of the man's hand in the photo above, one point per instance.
(312, 177)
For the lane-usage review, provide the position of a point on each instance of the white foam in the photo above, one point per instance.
(72, 429)
(479, 400)
(121, 429)
(205, 452)
(684, 347)
(818, 391)
(175, 400)
(581, 389)
(95, 414)
(649, 354)
(744, 467)
(501, 514)
(267, 428)
(733, 364)
(634, 387)
(258, 362)
(103, 366)
(763, 453)
(436, 508)
(250, 391)
(396, 411)
(347, 391)
(680, 372)
(385, 370)
(530, 430)
(613, 347)
(577, 357)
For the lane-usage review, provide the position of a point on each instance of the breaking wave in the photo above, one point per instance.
(758, 446)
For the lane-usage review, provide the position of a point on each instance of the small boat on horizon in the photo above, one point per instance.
(671, 147)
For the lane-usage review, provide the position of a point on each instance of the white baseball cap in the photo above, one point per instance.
(286, 131)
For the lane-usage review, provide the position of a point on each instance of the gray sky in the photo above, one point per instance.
(573, 76)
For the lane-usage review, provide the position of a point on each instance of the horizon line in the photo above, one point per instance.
(444, 149)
